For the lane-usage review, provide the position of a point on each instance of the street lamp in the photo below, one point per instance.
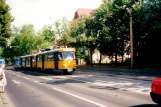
(131, 32)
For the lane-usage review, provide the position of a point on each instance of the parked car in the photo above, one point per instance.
(156, 91)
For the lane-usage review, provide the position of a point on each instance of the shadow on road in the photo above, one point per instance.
(32, 72)
(58, 82)
(104, 87)
(146, 105)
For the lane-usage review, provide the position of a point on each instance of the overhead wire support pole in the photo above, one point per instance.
(131, 40)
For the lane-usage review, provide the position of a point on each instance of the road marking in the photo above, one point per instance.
(121, 86)
(90, 75)
(101, 81)
(100, 105)
(26, 78)
(18, 75)
(137, 90)
(46, 78)
(37, 82)
(62, 77)
(74, 76)
(16, 82)
(117, 85)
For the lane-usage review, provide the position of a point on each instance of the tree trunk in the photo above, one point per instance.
(115, 58)
(112, 60)
(100, 59)
(122, 60)
(65, 45)
(91, 59)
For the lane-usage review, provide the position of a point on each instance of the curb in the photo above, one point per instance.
(136, 71)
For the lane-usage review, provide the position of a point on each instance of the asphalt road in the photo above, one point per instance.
(82, 89)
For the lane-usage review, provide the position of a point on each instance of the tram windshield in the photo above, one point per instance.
(68, 55)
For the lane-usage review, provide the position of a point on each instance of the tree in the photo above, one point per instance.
(147, 36)
(5, 21)
(90, 39)
(26, 41)
(76, 34)
(48, 34)
(63, 32)
(112, 27)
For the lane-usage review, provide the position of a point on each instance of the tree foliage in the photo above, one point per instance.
(5, 21)
(106, 30)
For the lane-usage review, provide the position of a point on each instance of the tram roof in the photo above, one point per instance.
(28, 55)
(57, 50)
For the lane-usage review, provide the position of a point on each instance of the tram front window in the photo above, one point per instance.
(68, 55)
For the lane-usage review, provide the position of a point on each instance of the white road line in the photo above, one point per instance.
(74, 76)
(18, 75)
(16, 82)
(97, 82)
(90, 75)
(62, 77)
(26, 78)
(46, 78)
(136, 90)
(101, 81)
(37, 82)
(100, 105)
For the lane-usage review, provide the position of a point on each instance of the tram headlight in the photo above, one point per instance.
(65, 65)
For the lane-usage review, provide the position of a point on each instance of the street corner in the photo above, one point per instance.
(3, 100)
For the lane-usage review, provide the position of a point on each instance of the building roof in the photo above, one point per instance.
(82, 11)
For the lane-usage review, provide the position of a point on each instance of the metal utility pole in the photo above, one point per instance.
(131, 40)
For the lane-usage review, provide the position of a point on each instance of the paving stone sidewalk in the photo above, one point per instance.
(3, 100)
(139, 74)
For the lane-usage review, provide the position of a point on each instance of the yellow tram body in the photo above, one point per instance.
(59, 60)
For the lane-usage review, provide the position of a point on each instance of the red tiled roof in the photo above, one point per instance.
(82, 11)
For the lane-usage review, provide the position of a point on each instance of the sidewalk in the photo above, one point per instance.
(4, 100)
(137, 74)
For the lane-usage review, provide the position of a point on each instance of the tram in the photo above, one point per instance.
(59, 61)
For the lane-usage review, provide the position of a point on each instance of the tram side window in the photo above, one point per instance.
(23, 62)
(60, 57)
(51, 57)
(27, 61)
(33, 59)
(39, 58)
(17, 61)
(20, 61)
(46, 57)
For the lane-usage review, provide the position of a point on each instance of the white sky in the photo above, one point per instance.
(44, 12)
